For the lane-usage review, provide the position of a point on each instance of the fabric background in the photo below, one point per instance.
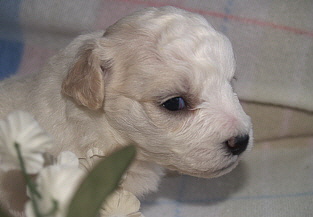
(273, 45)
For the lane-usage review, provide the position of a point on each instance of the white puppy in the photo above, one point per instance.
(159, 78)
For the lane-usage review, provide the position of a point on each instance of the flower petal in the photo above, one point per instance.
(57, 183)
(21, 128)
(121, 203)
(67, 158)
(33, 163)
(93, 156)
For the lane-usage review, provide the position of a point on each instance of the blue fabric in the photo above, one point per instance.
(10, 57)
(11, 40)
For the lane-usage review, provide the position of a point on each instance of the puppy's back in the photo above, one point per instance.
(14, 92)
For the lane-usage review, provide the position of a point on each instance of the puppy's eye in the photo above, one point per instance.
(175, 104)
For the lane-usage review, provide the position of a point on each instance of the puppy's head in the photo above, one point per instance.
(163, 77)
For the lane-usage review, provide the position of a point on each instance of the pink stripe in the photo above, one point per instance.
(244, 20)
(120, 9)
(34, 58)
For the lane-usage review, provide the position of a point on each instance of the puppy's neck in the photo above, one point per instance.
(143, 175)
(80, 129)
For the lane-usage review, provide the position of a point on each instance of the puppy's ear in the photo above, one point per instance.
(85, 79)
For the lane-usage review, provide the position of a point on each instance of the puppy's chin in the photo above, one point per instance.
(212, 173)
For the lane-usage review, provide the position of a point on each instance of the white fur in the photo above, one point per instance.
(105, 90)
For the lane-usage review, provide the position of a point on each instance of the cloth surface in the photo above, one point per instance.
(273, 45)
(274, 180)
(272, 40)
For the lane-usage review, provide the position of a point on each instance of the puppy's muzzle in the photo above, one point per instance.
(237, 144)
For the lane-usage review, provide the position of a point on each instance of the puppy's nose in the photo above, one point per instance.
(237, 144)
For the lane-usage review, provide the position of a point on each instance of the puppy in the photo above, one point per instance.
(159, 78)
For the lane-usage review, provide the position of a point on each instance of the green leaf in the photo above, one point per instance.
(100, 182)
(3, 213)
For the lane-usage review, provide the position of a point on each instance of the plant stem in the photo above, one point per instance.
(32, 188)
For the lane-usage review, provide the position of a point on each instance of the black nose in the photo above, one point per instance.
(237, 145)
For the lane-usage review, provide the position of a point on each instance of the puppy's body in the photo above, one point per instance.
(108, 89)
(73, 127)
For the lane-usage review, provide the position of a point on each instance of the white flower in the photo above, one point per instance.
(21, 128)
(67, 159)
(57, 183)
(93, 156)
(121, 204)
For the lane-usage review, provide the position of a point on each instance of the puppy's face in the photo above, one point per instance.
(168, 90)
